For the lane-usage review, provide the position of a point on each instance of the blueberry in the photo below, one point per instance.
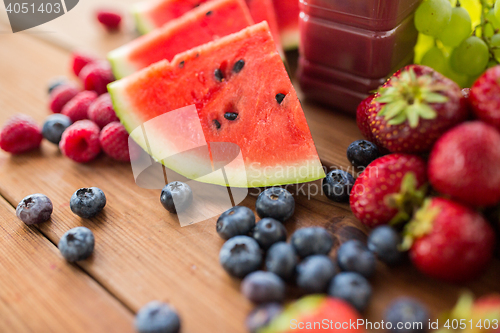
(56, 82)
(351, 287)
(269, 231)
(354, 256)
(54, 126)
(384, 242)
(411, 315)
(240, 256)
(263, 287)
(262, 315)
(87, 202)
(315, 273)
(77, 244)
(176, 197)
(275, 202)
(35, 208)
(157, 317)
(312, 240)
(337, 185)
(281, 259)
(361, 153)
(235, 221)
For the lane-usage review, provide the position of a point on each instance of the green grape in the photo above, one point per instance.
(424, 43)
(461, 79)
(495, 46)
(435, 59)
(432, 16)
(459, 28)
(492, 25)
(496, 9)
(470, 57)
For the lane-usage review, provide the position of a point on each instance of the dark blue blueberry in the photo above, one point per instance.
(411, 316)
(235, 221)
(337, 185)
(312, 240)
(35, 208)
(157, 317)
(56, 82)
(315, 273)
(354, 256)
(77, 244)
(281, 259)
(240, 256)
(384, 242)
(361, 153)
(275, 202)
(269, 231)
(54, 126)
(351, 287)
(263, 287)
(262, 315)
(176, 197)
(87, 202)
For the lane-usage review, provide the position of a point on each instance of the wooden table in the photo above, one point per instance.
(141, 252)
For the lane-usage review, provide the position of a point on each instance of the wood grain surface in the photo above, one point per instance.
(141, 252)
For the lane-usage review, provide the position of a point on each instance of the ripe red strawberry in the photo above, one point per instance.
(109, 19)
(96, 76)
(449, 241)
(485, 97)
(115, 143)
(77, 108)
(365, 108)
(388, 189)
(80, 141)
(80, 59)
(20, 134)
(414, 108)
(465, 164)
(62, 95)
(101, 111)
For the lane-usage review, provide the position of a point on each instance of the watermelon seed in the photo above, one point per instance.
(230, 115)
(218, 75)
(181, 64)
(209, 13)
(238, 66)
(216, 123)
(280, 97)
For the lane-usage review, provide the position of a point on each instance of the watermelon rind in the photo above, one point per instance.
(119, 64)
(290, 39)
(142, 23)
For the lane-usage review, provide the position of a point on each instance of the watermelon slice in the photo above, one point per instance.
(152, 14)
(243, 96)
(287, 13)
(201, 25)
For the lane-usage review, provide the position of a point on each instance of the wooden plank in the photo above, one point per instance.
(41, 292)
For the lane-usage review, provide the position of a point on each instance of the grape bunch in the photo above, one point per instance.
(458, 38)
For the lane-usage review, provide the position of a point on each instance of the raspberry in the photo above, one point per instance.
(77, 108)
(20, 134)
(109, 19)
(80, 141)
(101, 111)
(62, 95)
(114, 142)
(96, 76)
(81, 59)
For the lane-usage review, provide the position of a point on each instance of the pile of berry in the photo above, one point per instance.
(83, 121)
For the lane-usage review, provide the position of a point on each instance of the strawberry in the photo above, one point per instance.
(388, 189)
(80, 59)
(365, 108)
(449, 241)
(302, 315)
(485, 97)
(414, 108)
(464, 164)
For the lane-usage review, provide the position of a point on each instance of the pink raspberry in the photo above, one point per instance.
(80, 59)
(109, 19)
(101, 111)
(77, 108)
(80, 141)
(62, 95)
(20, 134)
(114, 142)
(96, 76)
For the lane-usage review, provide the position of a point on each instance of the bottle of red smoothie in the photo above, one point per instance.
(349, 47)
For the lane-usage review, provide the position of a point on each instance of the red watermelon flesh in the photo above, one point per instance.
(201, 25)
(287, 14)
(263, 10)
(239, 74)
